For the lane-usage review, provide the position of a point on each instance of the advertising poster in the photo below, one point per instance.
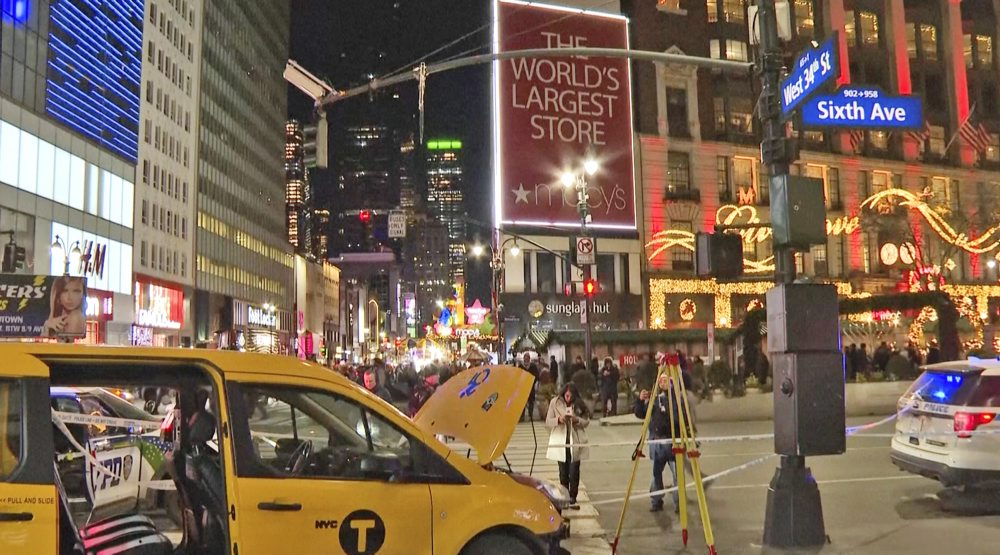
(553, 113)
(42, 306)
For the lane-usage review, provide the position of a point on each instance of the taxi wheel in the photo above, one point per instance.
(497, 544)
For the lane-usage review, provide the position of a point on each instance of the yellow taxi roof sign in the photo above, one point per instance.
(480, 406)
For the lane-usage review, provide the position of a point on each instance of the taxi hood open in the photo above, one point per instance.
(480, 406)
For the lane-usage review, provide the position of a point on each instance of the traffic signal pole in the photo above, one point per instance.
(794, 511)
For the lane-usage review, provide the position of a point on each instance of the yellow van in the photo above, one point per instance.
(267, 455)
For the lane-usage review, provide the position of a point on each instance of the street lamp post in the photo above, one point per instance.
(497, 267)
(70, 259)
(578, 181)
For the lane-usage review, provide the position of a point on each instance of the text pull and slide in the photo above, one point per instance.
(811, 71)
(864, 108)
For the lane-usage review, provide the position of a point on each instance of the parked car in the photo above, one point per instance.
(946, 429)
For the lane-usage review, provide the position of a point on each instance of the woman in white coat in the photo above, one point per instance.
(568, 418)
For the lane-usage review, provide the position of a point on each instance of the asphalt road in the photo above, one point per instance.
(870, 507)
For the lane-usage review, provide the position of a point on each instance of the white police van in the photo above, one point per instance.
(946, 429)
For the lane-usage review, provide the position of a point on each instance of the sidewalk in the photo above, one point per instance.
(587, 537)
(863, 399)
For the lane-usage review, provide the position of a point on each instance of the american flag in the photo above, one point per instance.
(975, 136)
(857, 139)
(922, 135)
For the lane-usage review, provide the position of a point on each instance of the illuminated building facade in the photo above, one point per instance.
(167, 173)
(445, 197)
(898, 204)
(244, 262)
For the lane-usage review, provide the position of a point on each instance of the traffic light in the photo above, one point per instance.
(719, 255)
(314, 145)
(365, 216)
(13, 258)
(590, 287)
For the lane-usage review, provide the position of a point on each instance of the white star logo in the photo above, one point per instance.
(521, 194)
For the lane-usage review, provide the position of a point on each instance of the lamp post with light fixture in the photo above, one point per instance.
(497, 267)
(578, 181)
(71, 259)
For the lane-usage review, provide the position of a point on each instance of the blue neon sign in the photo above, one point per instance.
(14, 11)
(811, 71)
(863, 107)
(95, 63)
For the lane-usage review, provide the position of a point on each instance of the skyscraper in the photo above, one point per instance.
(445, 197)
(296, 187)
(244, 263)
(167, 172)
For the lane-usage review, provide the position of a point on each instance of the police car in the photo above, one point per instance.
(130, 455)
(946, 429)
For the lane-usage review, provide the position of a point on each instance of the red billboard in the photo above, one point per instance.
(553, 114)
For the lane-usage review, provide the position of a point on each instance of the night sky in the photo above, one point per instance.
(345, 40)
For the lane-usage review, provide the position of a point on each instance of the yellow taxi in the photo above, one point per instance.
(268, 455)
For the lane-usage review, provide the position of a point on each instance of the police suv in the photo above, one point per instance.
(946, 427)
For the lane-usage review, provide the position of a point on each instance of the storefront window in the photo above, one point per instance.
(911, 40)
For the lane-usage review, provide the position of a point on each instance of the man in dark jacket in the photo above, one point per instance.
(645, 374)
(531, 368)
(660, 429)
(609, 387)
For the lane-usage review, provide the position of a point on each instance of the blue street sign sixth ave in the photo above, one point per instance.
(863, 107)
(811, 71)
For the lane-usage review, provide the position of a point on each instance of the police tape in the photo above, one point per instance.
(706, 480)
(109, 421)
(59, 421)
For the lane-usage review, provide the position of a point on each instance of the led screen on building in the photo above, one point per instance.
(552, 114)
(94, 68)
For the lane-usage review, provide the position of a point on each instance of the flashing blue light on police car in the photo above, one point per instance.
(939, 394)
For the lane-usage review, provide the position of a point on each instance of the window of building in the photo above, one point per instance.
(967, 54)
(145, 172)
(880, 181)
(145, 208)
(928, 41)
(984, 50)
(869, 28)
(734, 11)
(142, 253)
(546, 272)
(159, 259)
(713, 10)
(878, 140)
(992, 153)
(722, 184)
(163, 217)
(184, 228)
(736, 50)
(152, 13)
(745, 180)
(678, 172)
(682, 259)
(911, 40)
(821, 267)
(937, 140)
(606, 272)
(713, 49)
(677, 112)
(805, 21)
(156, 214)
(741, 115)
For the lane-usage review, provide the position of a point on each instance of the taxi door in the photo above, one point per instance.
(28, 498)
(321, 471)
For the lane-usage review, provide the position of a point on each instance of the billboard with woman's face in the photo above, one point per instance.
(42, 306)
